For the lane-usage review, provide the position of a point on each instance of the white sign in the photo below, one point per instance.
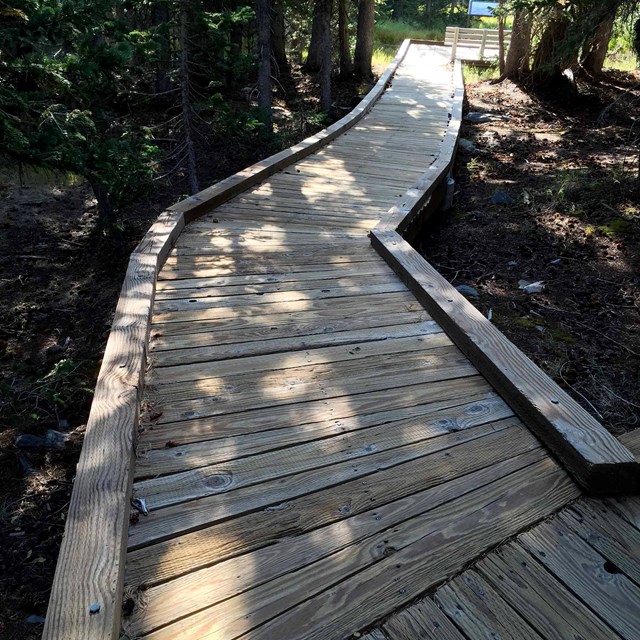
(477, 8)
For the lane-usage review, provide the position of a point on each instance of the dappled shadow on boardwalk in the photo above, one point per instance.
(314, 451)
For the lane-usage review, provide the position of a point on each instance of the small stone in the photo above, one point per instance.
(468, 291)
(52, 440)
(34, 619)
(467, 146)
(501, 197)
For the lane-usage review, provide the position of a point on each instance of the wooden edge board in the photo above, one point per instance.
(400, 217)
(596, 459)
(86, 597)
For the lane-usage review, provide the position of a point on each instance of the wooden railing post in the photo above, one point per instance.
(484, 42)
(454, 46)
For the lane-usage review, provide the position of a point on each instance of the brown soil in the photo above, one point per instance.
(60, 276)
(571, 171)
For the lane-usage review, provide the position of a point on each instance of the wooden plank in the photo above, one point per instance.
(207, 586)
(281, 326)
(421, 620)
(354, 440)
(612, 596)
(631, 440)
(277, 362)
(200, 479)
(90, 567)
(200, 311)
(370, 581)
(185, 401)
(196, 514)
(472, 467)
(598, 461)
(608, 533)
(295, 343)
(336, 410)
(231, 292)
(201, 453)
(539, 598)
(472, 603)
(374, 267)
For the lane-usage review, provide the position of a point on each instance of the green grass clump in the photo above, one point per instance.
(393, 32)
(474, 74)
(615, 227)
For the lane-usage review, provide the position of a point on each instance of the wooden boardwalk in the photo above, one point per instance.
(314, 451)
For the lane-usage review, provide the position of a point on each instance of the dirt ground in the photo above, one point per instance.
(567, 173)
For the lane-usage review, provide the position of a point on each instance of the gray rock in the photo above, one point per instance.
(51, 440)
(468, 291)
(501, 197)
(467, 146)
(478, 118)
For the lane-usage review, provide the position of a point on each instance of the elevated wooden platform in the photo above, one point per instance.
(314, 450)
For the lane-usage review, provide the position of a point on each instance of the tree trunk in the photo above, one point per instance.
(263, 15)
(278, 37)
(314, 55)
(186, 101)
(398, 9)
(596, 46)
(325, 61)
(517, 62)
(549, 56)
(501, 63)
(346, 66)
(364, 38)
(161, 21)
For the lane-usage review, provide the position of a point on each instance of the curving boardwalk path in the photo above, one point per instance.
(315, 452)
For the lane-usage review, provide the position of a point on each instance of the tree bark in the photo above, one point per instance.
(517, 63)
(346, 66)
(596, 46)
(278, 37)
(263, 16)
(364, 38)
(161, 21)
(398, 9)
(192, 168)
(314, 55)
(549, 57)
(325, 53)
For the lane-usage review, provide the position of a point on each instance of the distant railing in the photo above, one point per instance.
(481, 39)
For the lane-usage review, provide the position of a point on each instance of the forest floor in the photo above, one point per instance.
(567, 216)
(60, 277)
(573, 223)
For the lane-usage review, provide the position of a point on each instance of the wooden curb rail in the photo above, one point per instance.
(86, 597)
(597, 460)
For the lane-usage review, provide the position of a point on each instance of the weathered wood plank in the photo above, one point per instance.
(422, 620)
(606, 532)
(196, 514)
(582, 569)
(316, 412)
(473, 468)
(210, 585)
(193, 478)
(294, 343)
(541, 599)
(479, 611)
(372, 579)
